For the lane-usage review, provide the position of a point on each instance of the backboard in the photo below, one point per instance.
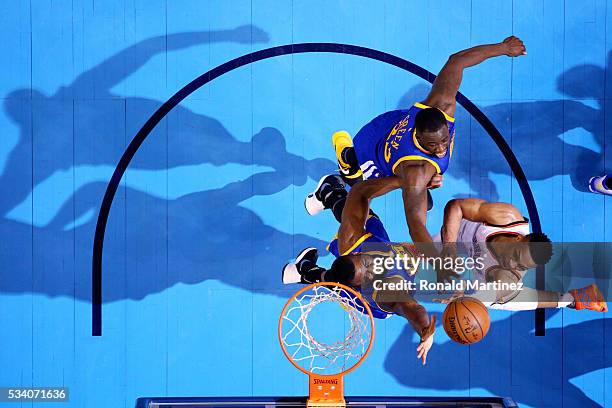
(300, 402)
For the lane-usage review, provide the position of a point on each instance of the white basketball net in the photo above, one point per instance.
(313, 355)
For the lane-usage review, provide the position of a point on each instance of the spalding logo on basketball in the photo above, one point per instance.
(466, 320)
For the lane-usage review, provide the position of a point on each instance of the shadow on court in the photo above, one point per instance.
(576, 349)
(154, 238)
(542, 134)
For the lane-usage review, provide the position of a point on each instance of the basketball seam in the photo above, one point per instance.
(477, 321)
(459, 322)
(454, 312)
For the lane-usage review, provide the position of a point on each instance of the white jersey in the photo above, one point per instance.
(475, 235)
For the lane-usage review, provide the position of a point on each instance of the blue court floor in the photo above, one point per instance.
(211, 206)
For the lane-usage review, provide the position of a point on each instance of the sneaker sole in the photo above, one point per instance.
(297, 261)
(319, 184)
(605, 191)
(591, 185)
(283, 274)
(342, 134)
(302, 254)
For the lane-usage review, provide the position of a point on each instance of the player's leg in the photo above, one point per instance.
(587, 298)
(358, 223)
(330, 194)
(345, 269)
(352, 210)
(306, 261)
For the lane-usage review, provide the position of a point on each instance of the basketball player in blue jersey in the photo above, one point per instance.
(414, 144)
(360, 241)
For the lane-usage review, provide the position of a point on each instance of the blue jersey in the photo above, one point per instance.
(390, 139)
(376, 242)
(375, 233)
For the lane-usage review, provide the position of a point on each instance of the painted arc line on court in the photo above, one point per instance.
(178, 97)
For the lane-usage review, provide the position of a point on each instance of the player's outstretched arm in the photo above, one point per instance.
(446, 85)
(477, 210)
(370, 189)
(418, 318)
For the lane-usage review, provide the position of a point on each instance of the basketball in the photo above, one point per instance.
(466, 320)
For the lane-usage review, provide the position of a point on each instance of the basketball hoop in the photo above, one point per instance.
(324, 361)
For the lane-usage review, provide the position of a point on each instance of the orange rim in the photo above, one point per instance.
(331, 284)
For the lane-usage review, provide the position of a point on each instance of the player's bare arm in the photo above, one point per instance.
(446, 85)
(414, 178)
(357, 208)
(358, 201)
(478, 210)
(418, 318)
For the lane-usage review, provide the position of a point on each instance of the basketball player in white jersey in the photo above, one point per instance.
(362, 239)
(496, 232)
(484, 228)
(499, 234)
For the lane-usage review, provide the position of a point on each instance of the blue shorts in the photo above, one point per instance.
(369, 141)
(375, 232)
(377, 312)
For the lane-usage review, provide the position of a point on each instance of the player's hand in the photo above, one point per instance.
(513, 47)
(426, 340)
(435, 182)
(445, 274)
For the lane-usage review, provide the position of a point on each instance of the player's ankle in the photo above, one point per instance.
(313, 274)
(330, 196)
